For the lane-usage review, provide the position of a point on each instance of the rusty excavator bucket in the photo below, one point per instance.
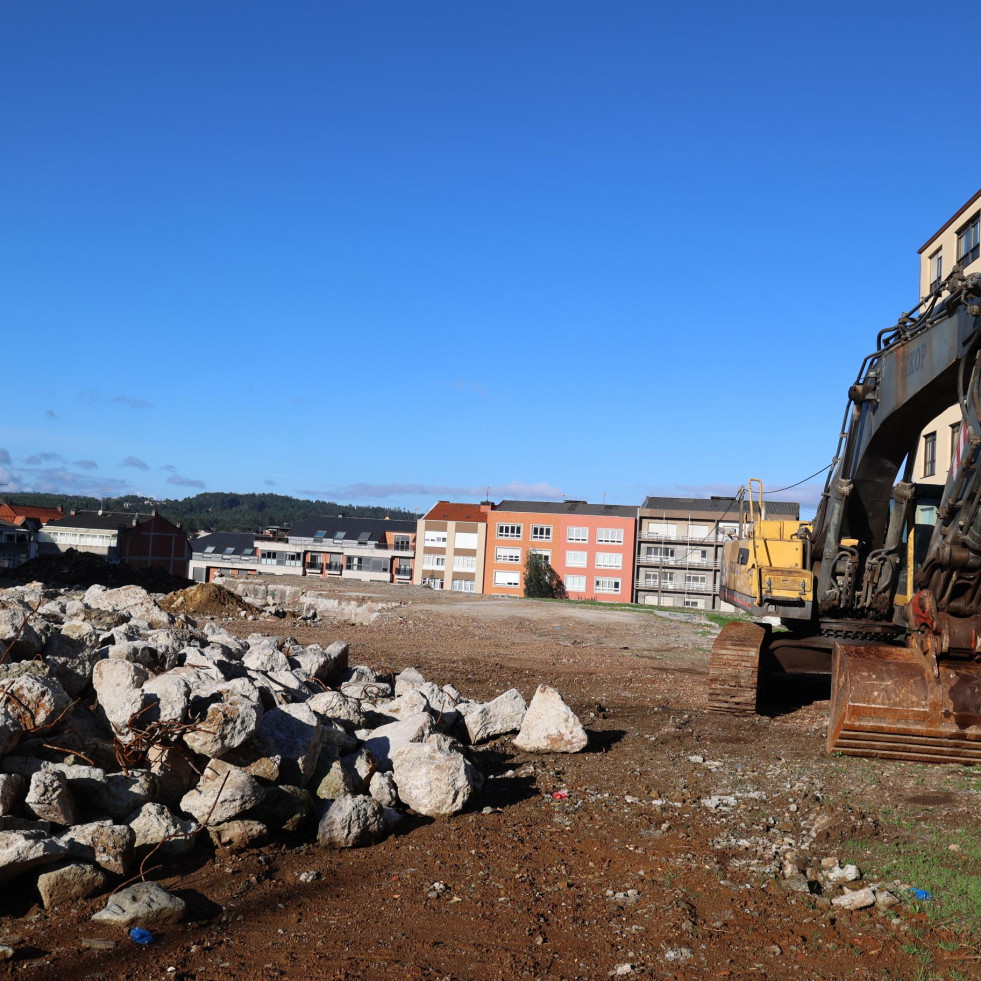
(886, 702)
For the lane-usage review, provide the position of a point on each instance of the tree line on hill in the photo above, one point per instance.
(215, 511)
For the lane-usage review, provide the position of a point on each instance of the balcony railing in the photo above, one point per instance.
(681, 535)
(676, 562)
(675, 587)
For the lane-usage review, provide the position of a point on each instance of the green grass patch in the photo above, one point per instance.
(710, 616)
(922, 859)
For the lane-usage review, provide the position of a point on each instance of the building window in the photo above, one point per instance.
(650, 579)
(607, 585)
(465, 539)
(436, 538)
(463, 585)
(656, 552)
(507, 554)
(691, 579)
(575, 560)
(955, 442)
(929, 454)
(267, 558)
(936, 269)
(694, 604)
(291, 558)
(509, 579)
(433, 560)
(662, 529)
(464, 563)
(402, 543)
(609, 560)
(509, 531)
(541, 533)
(575, 584)
(403, 570)
(967, 241)
(609, 536)
(433, 583)
(545, 552)
(577, 535)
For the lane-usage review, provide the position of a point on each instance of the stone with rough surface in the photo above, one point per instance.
(119, 688)
(495, 718)
(49, 799)
(228, 724)
(351, 822)
(12, 789)
(433, 778)
(23, 850)
(338, 707)
(102, 843)
(858, 899)
(35, 701)
(147, 904)
(294, 733)
(386, 739)
(125, 794)
(383, 788)
(223, 793)
(69, 883)
(153, 823)
(550, 726)
(238, 835)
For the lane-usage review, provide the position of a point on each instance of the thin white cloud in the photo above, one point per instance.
(135, 461)
(4, 456)
(270, 483)
(87, 464)
(39, 459)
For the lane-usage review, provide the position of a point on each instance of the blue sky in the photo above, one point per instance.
(389, 252)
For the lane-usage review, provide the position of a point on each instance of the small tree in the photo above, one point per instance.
(541, 580)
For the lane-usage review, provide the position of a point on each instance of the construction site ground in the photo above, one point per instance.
(655, 864)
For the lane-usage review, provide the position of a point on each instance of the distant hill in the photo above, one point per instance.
(215, 511)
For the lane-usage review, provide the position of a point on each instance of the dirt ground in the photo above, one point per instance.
(661, 861)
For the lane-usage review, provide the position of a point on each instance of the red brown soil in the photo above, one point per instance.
(205, 599)
(528, 881)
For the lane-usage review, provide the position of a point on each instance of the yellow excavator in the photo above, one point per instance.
(882, 590)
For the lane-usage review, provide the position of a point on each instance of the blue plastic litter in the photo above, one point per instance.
(921, 894)
(141, 936)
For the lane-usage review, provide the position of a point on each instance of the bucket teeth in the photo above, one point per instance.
(886, 703)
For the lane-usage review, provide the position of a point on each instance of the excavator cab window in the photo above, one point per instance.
(743, 556)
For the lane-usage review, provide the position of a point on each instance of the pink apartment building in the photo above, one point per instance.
(591, 546)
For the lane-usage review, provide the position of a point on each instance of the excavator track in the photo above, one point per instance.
(734, 668)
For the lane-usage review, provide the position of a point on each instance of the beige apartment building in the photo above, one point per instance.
(679, 548)
(450, 543)
(956, 242)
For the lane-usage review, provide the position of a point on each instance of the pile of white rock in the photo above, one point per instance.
(128, 735)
